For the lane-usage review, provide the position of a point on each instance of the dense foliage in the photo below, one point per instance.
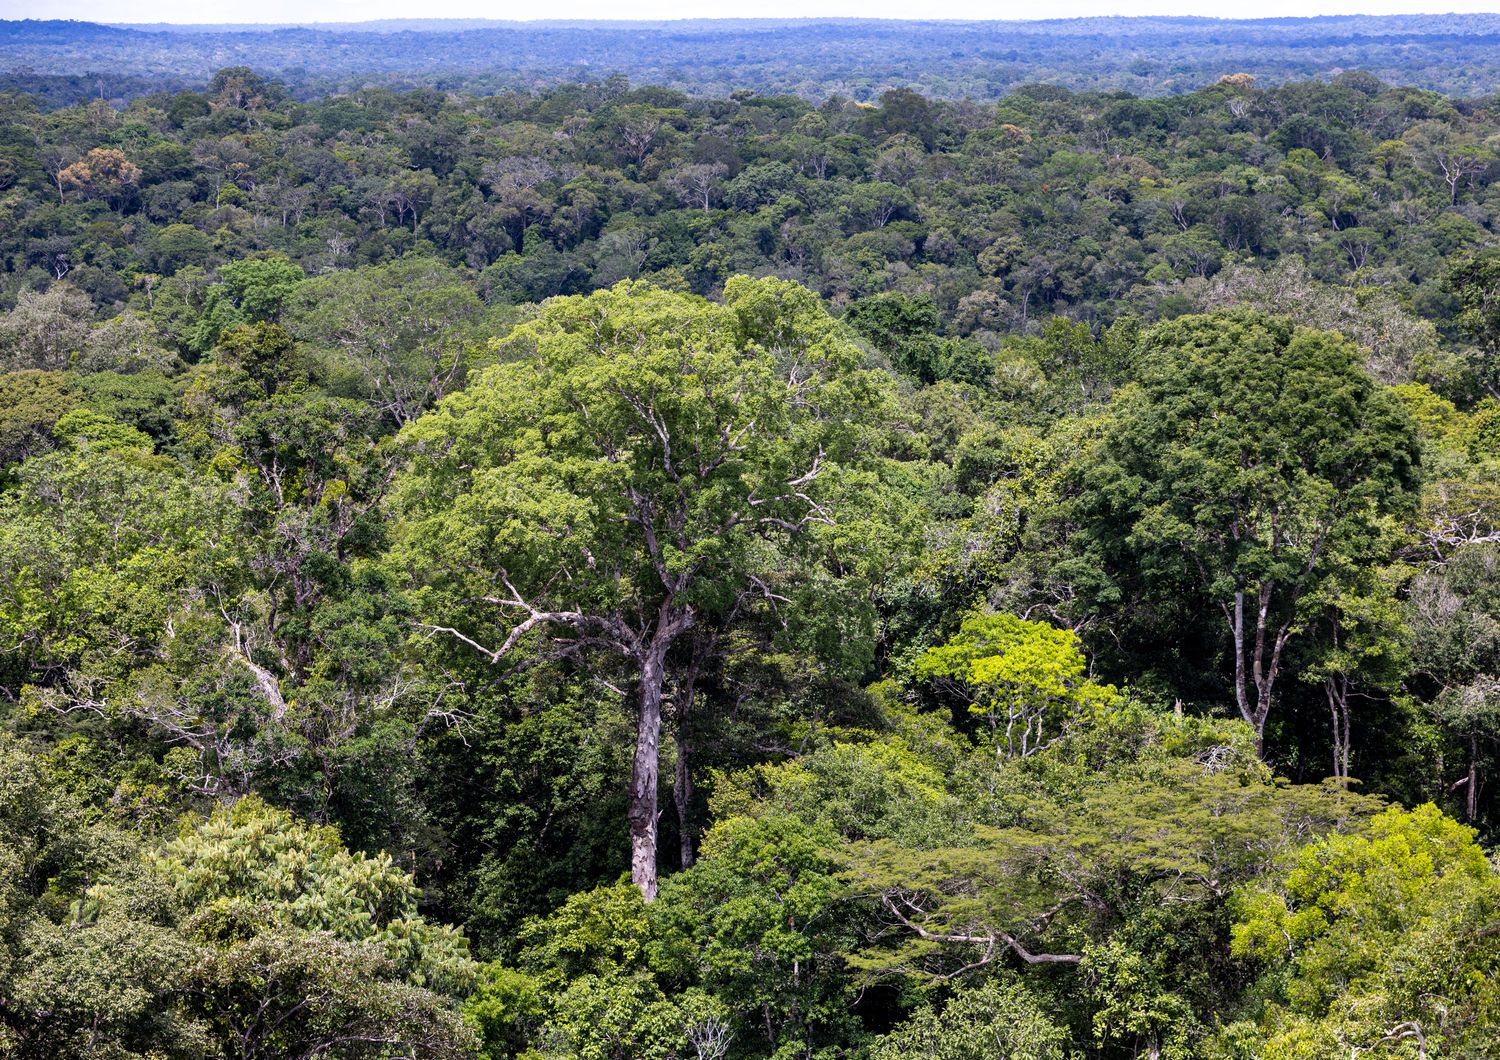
(599, 573)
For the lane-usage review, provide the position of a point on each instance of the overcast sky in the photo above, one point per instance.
(362, 10)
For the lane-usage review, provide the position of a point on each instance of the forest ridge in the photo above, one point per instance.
(602, 571)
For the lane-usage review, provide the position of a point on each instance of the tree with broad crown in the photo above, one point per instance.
(640, 459)
(1250, 463)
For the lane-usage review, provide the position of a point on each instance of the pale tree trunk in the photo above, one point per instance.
(1256, 667)
(644, 772)
(1337, 688)
(1471, 802)
(1254, 714)
(1241, 693)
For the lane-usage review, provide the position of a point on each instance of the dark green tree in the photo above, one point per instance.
(1251, 462)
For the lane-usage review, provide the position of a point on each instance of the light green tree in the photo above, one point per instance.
(1382, 939)
(997, 1020)
(1028, 680)
(639, 462)
(249, 856)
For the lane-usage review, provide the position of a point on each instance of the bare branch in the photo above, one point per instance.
(989, 940)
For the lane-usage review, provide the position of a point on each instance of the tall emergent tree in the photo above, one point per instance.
(639, 459)
(1251, 463)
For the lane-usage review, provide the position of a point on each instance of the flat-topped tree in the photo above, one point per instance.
(639, 461)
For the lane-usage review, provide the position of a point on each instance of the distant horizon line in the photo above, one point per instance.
(474, 23)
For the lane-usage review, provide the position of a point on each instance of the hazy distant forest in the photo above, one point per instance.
(69, 62)
(832, 548)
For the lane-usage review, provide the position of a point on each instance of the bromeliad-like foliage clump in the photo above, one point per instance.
(253, 861)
